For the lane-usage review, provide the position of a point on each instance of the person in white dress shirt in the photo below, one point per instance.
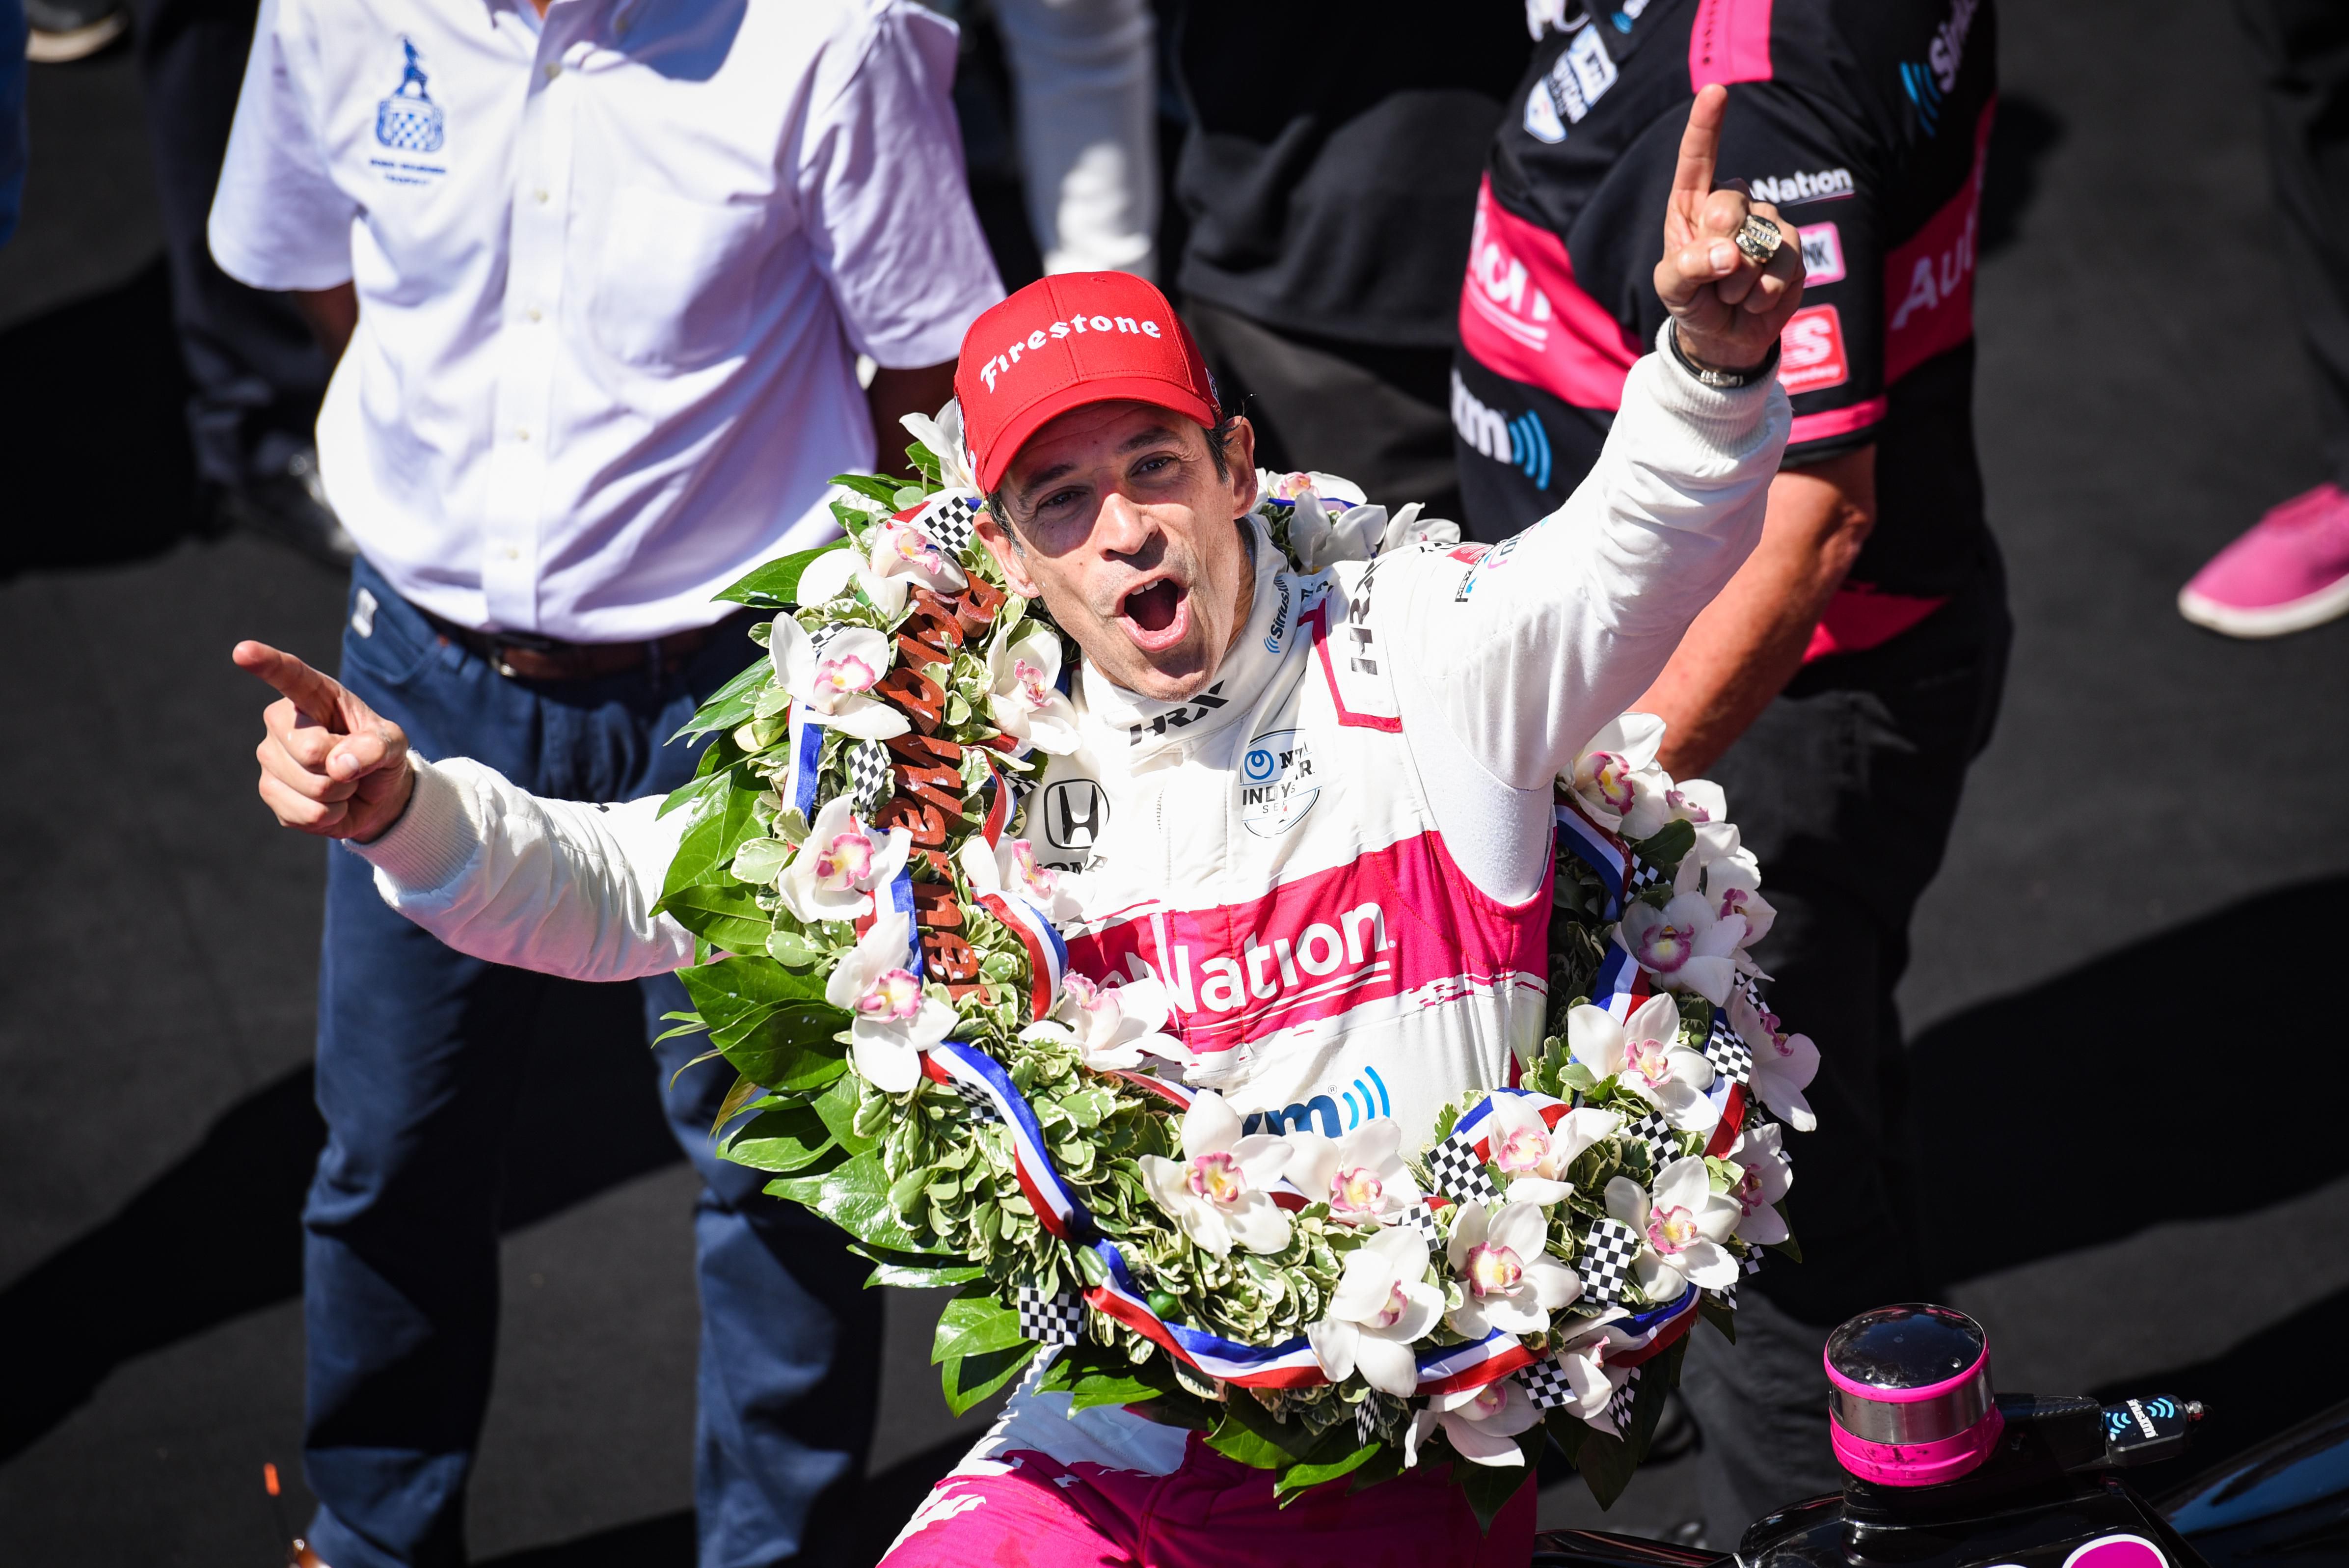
(599, 273)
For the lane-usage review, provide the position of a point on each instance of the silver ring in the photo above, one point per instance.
(1759, 238)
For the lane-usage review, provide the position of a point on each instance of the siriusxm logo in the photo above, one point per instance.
(1786, 190)
(1319, 1114)
(1928, 84)
(1521, 442)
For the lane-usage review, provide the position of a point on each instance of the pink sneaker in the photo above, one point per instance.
(2288, 572)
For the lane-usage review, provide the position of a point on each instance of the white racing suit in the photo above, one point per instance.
(1336, 857)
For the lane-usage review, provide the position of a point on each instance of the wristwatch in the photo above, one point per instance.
(1725, 379)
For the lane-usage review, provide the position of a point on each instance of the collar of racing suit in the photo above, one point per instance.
(1144, 731)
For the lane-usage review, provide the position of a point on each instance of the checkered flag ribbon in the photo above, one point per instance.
(1753, 1261)
(1727, 1051)
(1459, 1173)
(1643, 875)
(1419, 1217)
(947, 519)
(1663, 1144)
(1606, 1259)
(1726, 1298)
(1545, 1382)
(1366, 1425)
(975, 1101)
(1047, 1317)
(1620, 1403)
(868, 777)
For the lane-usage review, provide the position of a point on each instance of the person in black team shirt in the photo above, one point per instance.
(1329, 179)
(1839, 686)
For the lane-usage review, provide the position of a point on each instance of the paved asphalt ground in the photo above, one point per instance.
(2157, 837)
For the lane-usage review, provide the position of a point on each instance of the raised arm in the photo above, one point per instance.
(563, 887)
(1525, 654)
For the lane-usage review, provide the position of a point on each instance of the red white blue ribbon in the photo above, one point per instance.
(1048, 955)
(806, 761)
(1618, 987)
(1058, 1208)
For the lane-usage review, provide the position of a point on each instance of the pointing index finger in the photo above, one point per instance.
(317, 696)
(1700, 146)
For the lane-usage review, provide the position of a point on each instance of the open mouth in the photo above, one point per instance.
(1156, 615)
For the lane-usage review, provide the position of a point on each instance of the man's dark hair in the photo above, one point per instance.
(1219, 441)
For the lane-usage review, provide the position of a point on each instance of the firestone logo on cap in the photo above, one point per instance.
(1066, 341)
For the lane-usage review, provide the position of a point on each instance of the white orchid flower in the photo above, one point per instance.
(1784, 1064)
(1323, 534)
(1481, 1424)
(1011, 866)
(1768, 1174)
(1110, 1025)
(1220, 1191)
(836, 679)
(1590, 1377)
(1682, 1229)
(1383, 1303)
(1407, 528)
(1685, 945)
(1644, 1054)
(1617, 779)
(1748, 904)
(1361, 1176)
(893, 1020)
(1717, 862)
(828, 576)
(943, 436)
(1507, 1280)
(901, 557)
(1022, 694)
(838, 866)
(1696, 802)
(1536, 1156)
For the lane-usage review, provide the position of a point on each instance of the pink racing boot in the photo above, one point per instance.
(2288, 572)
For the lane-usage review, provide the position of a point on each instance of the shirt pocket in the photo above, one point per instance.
(674, 278)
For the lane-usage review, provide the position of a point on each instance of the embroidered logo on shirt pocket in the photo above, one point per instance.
(674, 278)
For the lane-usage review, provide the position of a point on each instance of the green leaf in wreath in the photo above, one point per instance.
(786, 1140)
(1664, 849)
(1489, 1488)
(774, 584)
(730, 704)
(968, 1379)
(883, 491)
(1298, 1478)
(1097, 1389)
(724, 915)
(854, 1196)
(1234, 1441)
(973, 1324)
(837, 1107)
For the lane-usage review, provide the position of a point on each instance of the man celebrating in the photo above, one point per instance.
(1438, 694)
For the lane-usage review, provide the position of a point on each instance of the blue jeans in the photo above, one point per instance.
(421, 1060)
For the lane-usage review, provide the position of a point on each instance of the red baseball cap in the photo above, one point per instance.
(1065, 341)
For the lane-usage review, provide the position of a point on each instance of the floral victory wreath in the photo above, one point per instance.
(880, 963)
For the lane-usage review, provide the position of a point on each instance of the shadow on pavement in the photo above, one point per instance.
(2021, 137)
(2050, 1149)
(92, 399)
(220, 1233)
(873, 1520)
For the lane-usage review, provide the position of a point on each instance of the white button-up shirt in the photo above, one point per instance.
(614, 268)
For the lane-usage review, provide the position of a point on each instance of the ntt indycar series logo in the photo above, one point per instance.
(1277, 784)
(1809, 186)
